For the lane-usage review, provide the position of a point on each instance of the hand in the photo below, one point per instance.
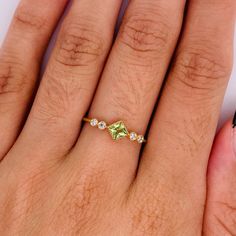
(60, 176)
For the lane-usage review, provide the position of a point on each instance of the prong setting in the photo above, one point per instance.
(140, 139)
(102, 125)
(93, 122)
(117, 130)
(133, 136)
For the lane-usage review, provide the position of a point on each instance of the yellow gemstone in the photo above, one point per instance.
(118, 130)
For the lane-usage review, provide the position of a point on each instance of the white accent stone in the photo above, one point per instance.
(140, 139)
(94, 122)
(102, 125)
(133, 136)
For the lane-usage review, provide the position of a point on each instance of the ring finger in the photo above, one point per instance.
(131, 81)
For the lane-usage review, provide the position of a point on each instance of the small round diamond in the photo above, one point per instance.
(102, 125)
(133, 136)
(140, 139)
(94, 122)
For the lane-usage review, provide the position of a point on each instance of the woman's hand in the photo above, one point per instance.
(58, 177)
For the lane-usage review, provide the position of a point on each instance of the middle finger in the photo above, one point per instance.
(70, 79)
(131, 81)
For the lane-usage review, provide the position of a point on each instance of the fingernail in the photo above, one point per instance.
(234, 121)
(234, 133)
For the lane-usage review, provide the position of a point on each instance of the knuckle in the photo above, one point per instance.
(154, 210)
(25, 196)
(79, 45)
(148, 212)
(144, 35)
(145, 220)
(89, 189)
(26, 18)
(12, 79)
(82, 199)
(201, 70)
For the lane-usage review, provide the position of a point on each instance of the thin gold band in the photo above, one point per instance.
(86, 119)
(117, 130)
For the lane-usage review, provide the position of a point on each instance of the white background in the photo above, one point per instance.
(7, 8)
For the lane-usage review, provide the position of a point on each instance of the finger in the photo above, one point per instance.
(131, 81)
(220, 212)
(183, 128)
(20, 57)
(71, 77)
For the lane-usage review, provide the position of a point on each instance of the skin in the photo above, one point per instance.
(59, 176)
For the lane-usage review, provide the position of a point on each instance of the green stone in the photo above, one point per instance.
(118, 130)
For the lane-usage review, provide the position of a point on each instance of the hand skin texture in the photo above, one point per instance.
(164, 75)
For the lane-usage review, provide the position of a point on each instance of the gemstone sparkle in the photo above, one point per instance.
(102, 125)
(94, 122)
(133, 136)
(140, 139)
(118, 130)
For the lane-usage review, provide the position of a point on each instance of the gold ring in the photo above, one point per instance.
(117, 130)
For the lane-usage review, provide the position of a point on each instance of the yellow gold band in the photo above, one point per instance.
(117, 130)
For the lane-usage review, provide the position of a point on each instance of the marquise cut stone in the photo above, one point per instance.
(118, 130)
